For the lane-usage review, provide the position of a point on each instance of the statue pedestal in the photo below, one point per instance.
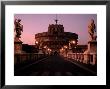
(17, 45)
(90, 55)
(92, 46)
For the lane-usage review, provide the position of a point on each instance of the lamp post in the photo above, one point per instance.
(49, 51)
(72, 44)
(66, 47)
(61, 51)
(37, 46)
(36, 42)
(75, 53)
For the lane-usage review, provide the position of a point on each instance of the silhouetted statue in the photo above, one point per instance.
(91, 30)
(18, 27)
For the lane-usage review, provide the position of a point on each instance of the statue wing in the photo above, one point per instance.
(94, 28)
(22, 28)
(15, 22)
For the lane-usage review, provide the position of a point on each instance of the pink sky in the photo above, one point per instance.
(37, 23)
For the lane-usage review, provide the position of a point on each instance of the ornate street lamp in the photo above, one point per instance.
(49, 50)
(36, 42)
(66, 49)
(37, 46)
(73, 42)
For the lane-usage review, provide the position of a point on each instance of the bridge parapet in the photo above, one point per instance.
(20, 58)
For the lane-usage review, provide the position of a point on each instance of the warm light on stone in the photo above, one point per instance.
(65, 47)
(45, 47)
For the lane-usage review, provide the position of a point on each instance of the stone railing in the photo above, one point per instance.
(84, 58)
(19, 58)
(76, 56)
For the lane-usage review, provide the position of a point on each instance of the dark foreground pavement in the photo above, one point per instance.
(54, 66)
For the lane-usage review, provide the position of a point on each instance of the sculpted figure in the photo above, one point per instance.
(18, 27)
(91, 29)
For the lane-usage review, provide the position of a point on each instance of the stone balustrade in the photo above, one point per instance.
(76, 56)
(84, 58)
(19, 58)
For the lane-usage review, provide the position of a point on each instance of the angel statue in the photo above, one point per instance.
(18, 27)
(91, 29)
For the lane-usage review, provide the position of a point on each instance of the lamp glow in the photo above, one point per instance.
(73, 42)
(37, 42)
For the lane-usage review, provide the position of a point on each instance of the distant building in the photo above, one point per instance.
(55, 38)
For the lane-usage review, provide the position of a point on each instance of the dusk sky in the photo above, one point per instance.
(37, 23)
